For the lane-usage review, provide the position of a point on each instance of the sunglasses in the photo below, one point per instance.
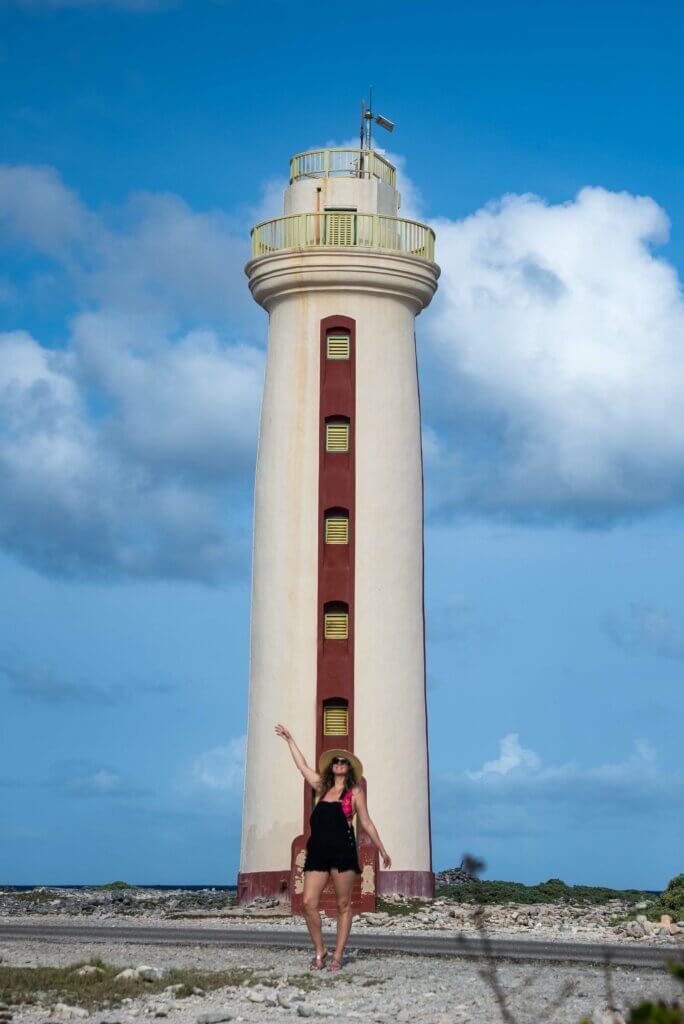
(340, 760)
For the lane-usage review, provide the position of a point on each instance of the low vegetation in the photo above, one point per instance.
(671, 901)
(408, 906)
(552, 891)
(34, 896)
(50, 985)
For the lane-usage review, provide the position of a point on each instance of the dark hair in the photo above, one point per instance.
(328, 779)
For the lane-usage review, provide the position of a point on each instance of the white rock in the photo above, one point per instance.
(88, 969)
(152, 973)
(70, 1012)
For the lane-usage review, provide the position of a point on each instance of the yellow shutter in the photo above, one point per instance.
(336, 626)
(337, 437)
(337, 346)
(336, 530)
(335, 721)
(340, 228)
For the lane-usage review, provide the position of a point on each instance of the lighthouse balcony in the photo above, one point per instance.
(343, 229)
(354, 163)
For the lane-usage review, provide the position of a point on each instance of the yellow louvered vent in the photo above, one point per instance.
(337, 437)
(337, 346)
(336, 626)
(335, 721)
(336, 530)
(340, 228)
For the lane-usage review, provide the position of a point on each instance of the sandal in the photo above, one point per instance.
(335, 964)
(317, 962)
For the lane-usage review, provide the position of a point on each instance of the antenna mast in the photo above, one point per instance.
(366, 133)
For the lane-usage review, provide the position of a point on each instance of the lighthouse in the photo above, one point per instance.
(337, 617)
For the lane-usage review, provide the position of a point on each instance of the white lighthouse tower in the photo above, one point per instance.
(337, 633)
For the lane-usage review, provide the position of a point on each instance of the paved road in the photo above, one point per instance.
(426, 945)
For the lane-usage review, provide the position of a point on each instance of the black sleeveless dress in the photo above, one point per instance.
(332, 843)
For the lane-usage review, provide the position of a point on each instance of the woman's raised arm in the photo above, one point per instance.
(309, 774)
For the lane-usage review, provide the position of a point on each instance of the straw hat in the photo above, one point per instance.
(327, 756)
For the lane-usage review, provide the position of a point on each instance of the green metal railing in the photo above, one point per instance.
(300, 230)
(354, 163)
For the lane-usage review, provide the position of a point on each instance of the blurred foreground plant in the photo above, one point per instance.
(645, 1013)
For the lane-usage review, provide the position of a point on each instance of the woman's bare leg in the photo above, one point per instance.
(344, 883)
(314, 884)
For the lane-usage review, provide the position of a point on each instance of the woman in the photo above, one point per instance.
(331, 847)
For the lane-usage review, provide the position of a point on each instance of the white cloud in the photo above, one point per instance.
(559, 339)
(519, 778)
(188, 406)
(511, 755)
(221, 768)
(151, 255)
(128, 451)
(39, 212)
(553, 374)
(140, 489)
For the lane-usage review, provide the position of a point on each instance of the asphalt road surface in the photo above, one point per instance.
(653, 957)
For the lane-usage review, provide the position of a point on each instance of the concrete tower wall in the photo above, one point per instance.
(381, 292)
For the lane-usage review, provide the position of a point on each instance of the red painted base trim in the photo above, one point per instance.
(406, 883)
(263, 883)
(277, 884)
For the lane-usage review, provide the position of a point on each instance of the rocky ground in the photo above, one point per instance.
(590, 923)
(378, 987)
(372, 986)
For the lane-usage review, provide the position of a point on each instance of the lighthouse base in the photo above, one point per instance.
(406, 883)
(276, 884)
(251, 884)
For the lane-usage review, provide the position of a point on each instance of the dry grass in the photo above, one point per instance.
(49, 985)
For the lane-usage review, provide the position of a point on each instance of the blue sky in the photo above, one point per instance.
(139, 143)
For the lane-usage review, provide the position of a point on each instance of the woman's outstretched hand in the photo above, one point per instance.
(282, 731)
(386, 859)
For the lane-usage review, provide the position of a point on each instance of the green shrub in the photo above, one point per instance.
(656, 1013)
(552, 891)
(673, 897)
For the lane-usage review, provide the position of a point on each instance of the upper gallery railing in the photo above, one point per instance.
(354, 163)
(343, 229)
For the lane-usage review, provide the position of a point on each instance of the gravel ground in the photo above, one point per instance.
(371, 986)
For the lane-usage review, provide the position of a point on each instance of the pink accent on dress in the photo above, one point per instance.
(347, 805)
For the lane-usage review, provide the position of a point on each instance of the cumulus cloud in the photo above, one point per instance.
(511, 755)
(517, 794)
(558, 335)
(553, 373)
(128, 450)
(151, 255)
(137, 490)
